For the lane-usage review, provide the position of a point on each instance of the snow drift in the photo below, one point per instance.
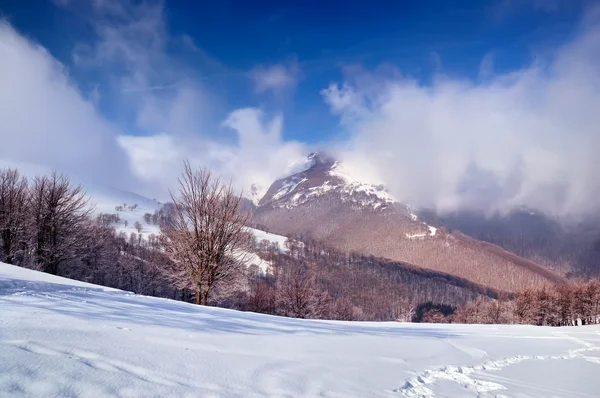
(60, 337)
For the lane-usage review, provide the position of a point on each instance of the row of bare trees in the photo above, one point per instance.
(202, 255)
(311, 280)
(553, 305)
(47, 223)
(43, 222)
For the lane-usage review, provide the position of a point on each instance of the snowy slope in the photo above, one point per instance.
(64, 338)
(355, 182)
(321, 175)
(105, 200)
(281, 241)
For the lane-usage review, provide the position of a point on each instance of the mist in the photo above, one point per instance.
(525, 138)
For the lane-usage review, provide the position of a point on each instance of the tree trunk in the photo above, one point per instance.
(198, 295)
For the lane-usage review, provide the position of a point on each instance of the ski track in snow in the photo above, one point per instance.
(60, 337)
(98, 362)
(420, 385)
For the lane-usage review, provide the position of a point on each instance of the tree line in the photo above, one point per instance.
(44, 222)
(350, 286)
(552, 305)
(203, 251)
(47, 223)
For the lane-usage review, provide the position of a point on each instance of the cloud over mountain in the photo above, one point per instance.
(132, 105)
(527, 137)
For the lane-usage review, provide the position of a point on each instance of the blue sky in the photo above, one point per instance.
(321, 38)
(487, 104)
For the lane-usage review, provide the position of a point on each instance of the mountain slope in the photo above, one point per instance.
(569, 246)
(130, 210)
(324, 202)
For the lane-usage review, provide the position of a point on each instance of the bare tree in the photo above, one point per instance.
(205, 234)
(13, 214)
(300, 296)
(434, 315)
(138, 226)
(60, 220)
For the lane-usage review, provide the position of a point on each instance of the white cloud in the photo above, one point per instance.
(168, 102)
(275, 78)
(44, 119)
(152, 158)
(526, 137)
(529, 137)
(114, 7)
(486, 67)
(257, 157)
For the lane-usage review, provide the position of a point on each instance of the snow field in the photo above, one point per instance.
(65, 338)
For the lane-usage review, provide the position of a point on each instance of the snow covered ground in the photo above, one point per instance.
(106, 199)
(61, 338)
(271, 238)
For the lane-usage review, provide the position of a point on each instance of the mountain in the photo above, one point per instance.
(130, 211)
(569, 246)
(326, 200)
(320, 175)
(128, 206)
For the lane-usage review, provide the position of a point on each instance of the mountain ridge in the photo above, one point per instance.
(325, 202)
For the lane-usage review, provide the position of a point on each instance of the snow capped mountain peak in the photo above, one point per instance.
(321, 174)
(299, 167)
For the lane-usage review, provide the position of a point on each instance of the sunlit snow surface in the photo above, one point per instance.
(61, 338)
(280, 240)
(344, 179)
(355, 182)
(104, 200)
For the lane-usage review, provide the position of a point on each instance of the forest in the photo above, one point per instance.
(47, 223)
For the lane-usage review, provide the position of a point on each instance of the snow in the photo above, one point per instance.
(431, 231)
(420, 235)
(288, 186)
(271, 238)
(64, 338)
(105, 199)
(253, 259)
(369, 195)
(299, 166)
(355, 182)
(320, 190)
